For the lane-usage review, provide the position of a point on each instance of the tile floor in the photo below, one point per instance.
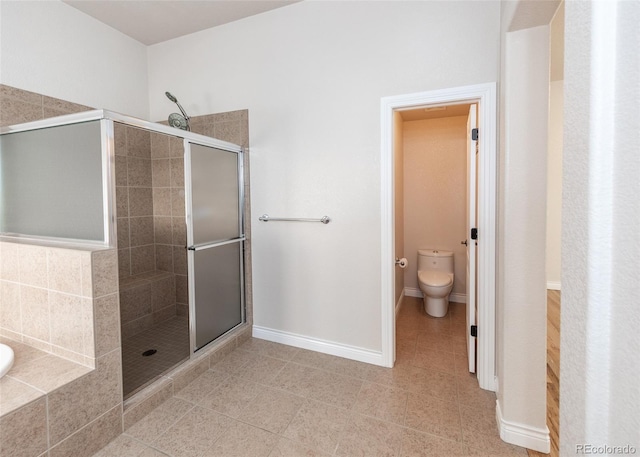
(171, 341)
(270, 400)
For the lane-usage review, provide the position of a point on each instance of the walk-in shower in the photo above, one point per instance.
(170, 201)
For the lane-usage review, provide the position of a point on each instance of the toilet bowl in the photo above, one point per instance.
(435, 277)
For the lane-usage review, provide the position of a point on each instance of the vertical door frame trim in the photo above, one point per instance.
(485, 96)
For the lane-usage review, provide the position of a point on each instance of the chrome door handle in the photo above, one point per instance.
(464, 242)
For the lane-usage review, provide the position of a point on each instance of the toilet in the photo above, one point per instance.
(435, 276)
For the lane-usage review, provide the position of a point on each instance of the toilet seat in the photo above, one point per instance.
(435, 278)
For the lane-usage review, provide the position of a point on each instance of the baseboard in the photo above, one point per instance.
(417, 293)
(318, 345)
(522, 435)
(399, 303)
(553, 285)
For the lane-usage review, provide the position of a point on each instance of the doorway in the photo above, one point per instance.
(485, 97)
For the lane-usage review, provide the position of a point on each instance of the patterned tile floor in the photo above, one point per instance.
(171, 341)
(270, 400)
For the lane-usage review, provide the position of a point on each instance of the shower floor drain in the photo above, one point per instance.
(149, 352)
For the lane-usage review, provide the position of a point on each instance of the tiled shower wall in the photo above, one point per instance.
(151, 228)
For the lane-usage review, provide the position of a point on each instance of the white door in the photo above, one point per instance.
(471, 243)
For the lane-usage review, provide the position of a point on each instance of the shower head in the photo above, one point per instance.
(175, 120)
(171, 97)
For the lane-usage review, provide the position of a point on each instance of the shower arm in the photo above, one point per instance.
(182, 110)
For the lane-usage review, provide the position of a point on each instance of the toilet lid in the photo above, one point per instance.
(434, 278)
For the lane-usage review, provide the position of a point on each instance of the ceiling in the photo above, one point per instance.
(437, 112)
(154, 21)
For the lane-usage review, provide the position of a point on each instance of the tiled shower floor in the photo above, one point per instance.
(171, 341)
(270, 400)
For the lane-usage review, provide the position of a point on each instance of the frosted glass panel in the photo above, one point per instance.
(215, 197)
(217, 291)
(51, 182)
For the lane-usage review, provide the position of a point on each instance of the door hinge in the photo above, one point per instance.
(474, 233)
(474, 134)
(474, 330)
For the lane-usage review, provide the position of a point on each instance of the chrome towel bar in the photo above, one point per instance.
(267, 218)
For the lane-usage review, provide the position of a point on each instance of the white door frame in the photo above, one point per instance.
(485, 96)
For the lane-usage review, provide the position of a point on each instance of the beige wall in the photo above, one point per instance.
(435, 192)
(398, 183)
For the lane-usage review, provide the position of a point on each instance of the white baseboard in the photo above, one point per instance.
(399, 303)
(553, 285)
(318, 345)
(413, 292)
(523, 435)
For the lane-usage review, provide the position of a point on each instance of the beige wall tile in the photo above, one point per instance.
(162, 230)
(9, 262)
(9, 92)
(160, 145)
(141, 231)
(179, 231)
(65, 270)
(177, 172)
(228, 131)
(122, 202)
(93, 437)
(34, 309)
(161, 202)
(176, 146)
(161, 172)
(140, 201)
(124, 262)
(164, 314)
(163, 292)
(142, 259)
(10, 306)
(164, 257)
(138, 172)
(120, 139)
(67, 323)
(121, 171)
(23, 433)
(78, 403)
(138, 142)
(182, 289)
(135, 302)
(123, 232)
(16, 112)
(57, 107)
(107, 324)
(180, 260)
(177, 202)
(87, 274)
(33, 265)
(105, 272)
(132, 328)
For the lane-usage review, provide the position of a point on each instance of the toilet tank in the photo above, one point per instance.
(435, 259)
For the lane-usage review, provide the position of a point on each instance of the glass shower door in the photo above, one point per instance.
(215, 241)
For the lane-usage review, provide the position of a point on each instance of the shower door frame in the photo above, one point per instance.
(192, 248)
(107, 119)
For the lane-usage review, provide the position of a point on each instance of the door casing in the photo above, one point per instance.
(485, 97)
